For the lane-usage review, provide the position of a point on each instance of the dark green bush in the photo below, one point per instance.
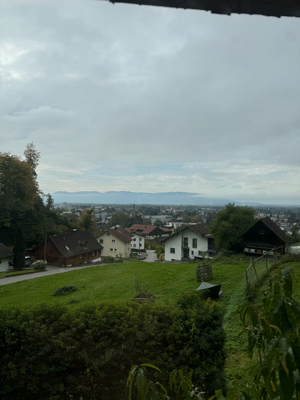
(108, 259)
(286, 258)
(52, 352)
(62, 291)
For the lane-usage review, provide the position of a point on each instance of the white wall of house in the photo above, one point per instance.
(174, 249)
(137, 242)
(113, 246)
(4, 264)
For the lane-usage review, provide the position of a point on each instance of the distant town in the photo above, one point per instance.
(287, 218)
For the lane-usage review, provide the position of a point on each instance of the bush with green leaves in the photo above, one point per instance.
(53, 352)
(272, 332)
(64, 290)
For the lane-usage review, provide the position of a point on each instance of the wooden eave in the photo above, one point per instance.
(270, 8)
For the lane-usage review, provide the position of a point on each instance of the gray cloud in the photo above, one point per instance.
(144, 98)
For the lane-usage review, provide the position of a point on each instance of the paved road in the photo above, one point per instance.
(51, 270)
(151, 256)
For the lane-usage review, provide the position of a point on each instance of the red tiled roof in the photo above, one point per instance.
(145, 229)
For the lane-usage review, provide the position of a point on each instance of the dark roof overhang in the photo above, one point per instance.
(271, 8)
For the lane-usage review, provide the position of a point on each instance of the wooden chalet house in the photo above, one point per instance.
(264, 236)
(73, 248)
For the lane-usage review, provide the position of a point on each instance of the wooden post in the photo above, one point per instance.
(267, 263)
(255, 272)
(247, 283)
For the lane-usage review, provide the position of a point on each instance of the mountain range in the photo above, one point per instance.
(124, 197)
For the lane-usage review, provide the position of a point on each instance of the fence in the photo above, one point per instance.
(261, 266)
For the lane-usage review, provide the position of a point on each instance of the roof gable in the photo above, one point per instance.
(75, 243)
(199, 229)
(119, 233)
(272, 226)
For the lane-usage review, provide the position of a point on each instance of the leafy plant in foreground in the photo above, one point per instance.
(273, 332)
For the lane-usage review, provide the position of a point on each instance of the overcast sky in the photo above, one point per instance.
(125, 97)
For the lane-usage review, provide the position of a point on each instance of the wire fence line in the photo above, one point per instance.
(261, 266)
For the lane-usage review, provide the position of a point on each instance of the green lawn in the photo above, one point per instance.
(116, 283)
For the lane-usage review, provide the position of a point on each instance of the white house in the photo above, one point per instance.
(137, 242)
(5, 256)
(191, 240)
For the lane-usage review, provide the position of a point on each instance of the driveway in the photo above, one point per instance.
(51, 270)
(151, 256)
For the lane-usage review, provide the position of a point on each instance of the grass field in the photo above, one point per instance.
(116, 283)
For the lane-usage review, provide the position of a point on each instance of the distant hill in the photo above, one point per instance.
(168, 198)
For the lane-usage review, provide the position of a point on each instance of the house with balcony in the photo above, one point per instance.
(189, 242)
(264, 236)
(137, 242)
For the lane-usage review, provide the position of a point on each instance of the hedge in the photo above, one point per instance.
(52, 352)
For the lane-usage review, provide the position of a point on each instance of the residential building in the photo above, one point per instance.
(5, 255)
(190, 241)
(73, 248)
(137, 242)
(264, 236)
(116, 242)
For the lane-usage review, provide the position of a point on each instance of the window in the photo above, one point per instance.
(194, 243)
(101, 241)
(140, 239)
(199, 253)
(93, 253)
(115, 249)
(113, 241)
(192, 252)
(134, 245)
(134, 239)
(111, 249)
(172, 250)
(261, 232)
(185, 242)
(108, 234)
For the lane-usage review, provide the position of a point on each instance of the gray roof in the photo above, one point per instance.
(5, 252)
(200, 229)
(75, 243)
(120, 233)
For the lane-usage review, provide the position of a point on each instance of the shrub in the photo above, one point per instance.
(52, 352)
(39, 265)
(64, 290)
(286, 258)
(108, 259)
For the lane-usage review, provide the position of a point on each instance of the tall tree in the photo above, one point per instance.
(19, 249)
(230, 223)
(18, 189)
(32, 157)
(49, 202)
